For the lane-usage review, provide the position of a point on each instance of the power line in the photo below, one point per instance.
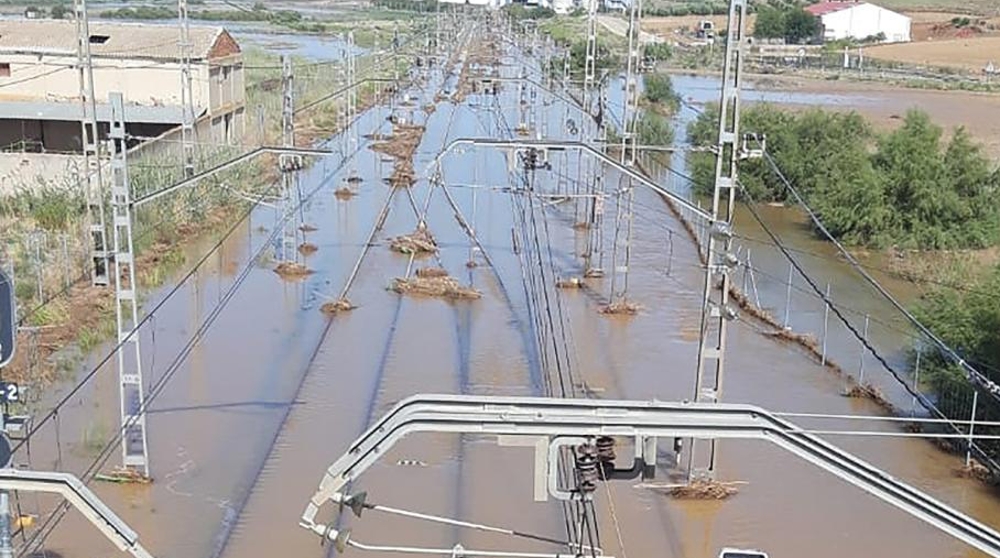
(52, 521)
(916, 394)
(974, 375)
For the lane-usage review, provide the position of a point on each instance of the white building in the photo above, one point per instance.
(562, 7)
(860, 20)
(40, 107)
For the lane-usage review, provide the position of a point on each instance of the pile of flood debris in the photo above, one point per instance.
(401, 145)
(703, 489)
(307, 248)
(483, 57)
(570, 283)
(292, 270)
(418, 242)
(620, 308)
(344, 193)
(338, 306)
(434, 282)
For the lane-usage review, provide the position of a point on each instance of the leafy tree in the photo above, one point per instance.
(659, 89)
(770, 23)
(654, 129)
(906, 188)
(968, 321)
(800, 26)
(58, 11)
(657, 51)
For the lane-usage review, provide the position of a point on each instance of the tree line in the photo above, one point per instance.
(792, 24)
(908, 188)
(258, 13)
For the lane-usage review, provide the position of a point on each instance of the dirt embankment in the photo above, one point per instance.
(85, 314)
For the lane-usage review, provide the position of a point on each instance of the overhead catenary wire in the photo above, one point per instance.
(992, 388)
(158, 387)
(911, 390)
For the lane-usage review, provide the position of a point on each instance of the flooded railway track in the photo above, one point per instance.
(356, 364)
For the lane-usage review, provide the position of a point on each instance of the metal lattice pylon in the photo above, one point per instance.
(630, 116)
(621, 253)
(187, 96)
(716, 311)
(352, 94)
(288, 164)
(590, 60)
(93, 179)
(133, 413)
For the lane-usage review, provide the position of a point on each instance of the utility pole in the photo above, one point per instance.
(287, 164)
(626, 193)
(595, 241)
(352, 91)
(135, 456)
(91, 154)
(630, 117)
(187, 97)
(595, 187)
(590, 59)
(716, 311)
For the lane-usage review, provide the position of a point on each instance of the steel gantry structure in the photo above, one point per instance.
(77, 494)
(550, 423)
(89, 140)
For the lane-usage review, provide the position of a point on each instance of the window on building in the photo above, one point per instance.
(99, 39)
(4, 70)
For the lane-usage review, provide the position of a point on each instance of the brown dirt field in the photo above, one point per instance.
(979, 113)
(969, 54)
(666, 26)
(983, 7)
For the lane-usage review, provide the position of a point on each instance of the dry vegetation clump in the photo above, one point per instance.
(292, 270)
(432, 272)
(974, 470)
(704, 489)
(418, 242)
(620, 308)
(344, 193)
(430, 282)
(338, 306)
(866, 391)
(401, 145)
(570, 283)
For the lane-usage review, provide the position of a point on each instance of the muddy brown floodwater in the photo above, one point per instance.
(276, 390)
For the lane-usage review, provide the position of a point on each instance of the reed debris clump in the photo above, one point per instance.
(418, 242)
(434, 282)
(335, 307)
